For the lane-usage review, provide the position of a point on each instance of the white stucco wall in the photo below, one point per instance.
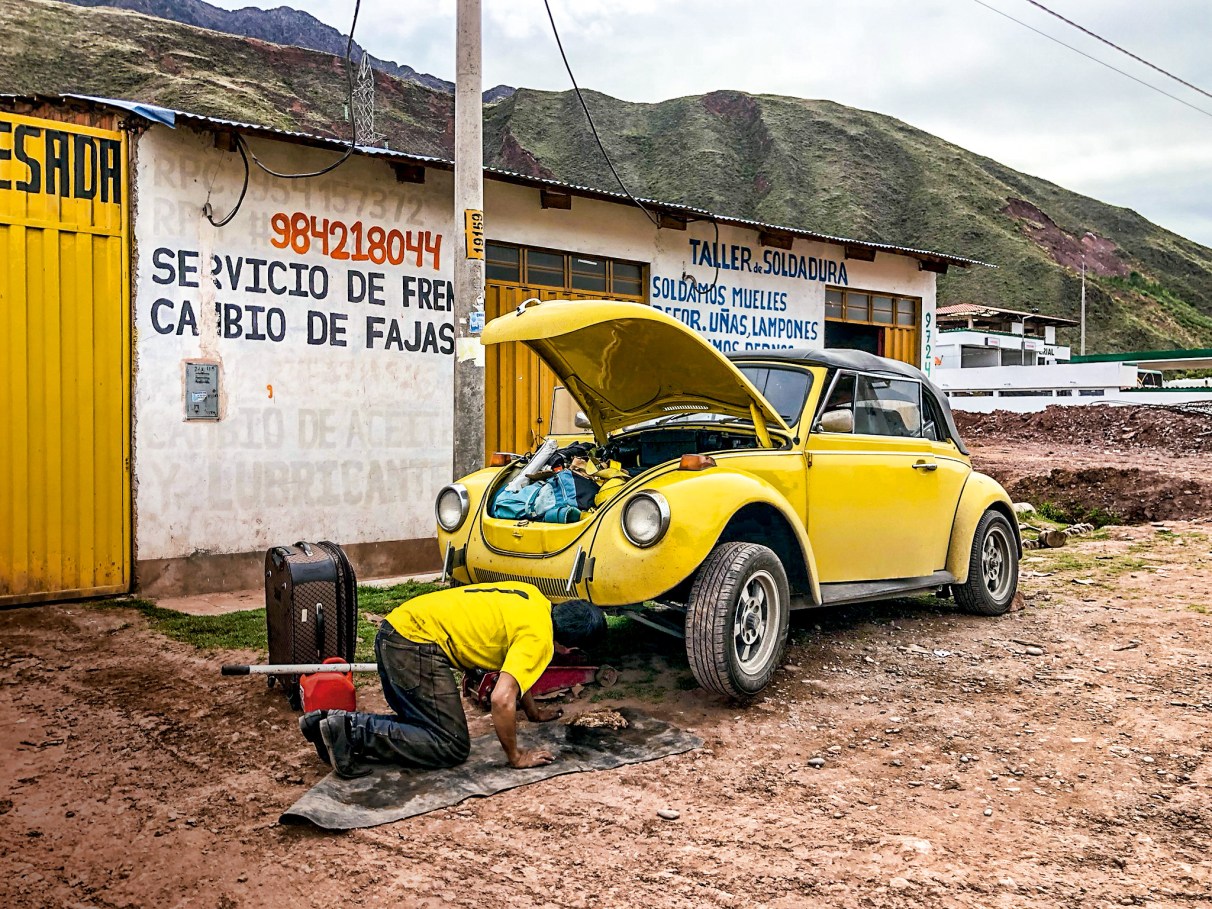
(341, 434)
(1067, 376)
(950, 342)
(1113, 397)
(758, 297)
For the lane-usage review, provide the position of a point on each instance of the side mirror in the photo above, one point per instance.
(581, 421)
(837, 421)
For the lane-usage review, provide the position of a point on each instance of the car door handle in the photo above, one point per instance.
(924, 465)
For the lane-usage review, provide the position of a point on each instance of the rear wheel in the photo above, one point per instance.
(736, 619)
(992, 568)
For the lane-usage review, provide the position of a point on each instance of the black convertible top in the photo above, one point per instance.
(834, 359)
(861, 361)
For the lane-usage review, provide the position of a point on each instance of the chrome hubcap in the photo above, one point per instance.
(995, 562)
(753, 635)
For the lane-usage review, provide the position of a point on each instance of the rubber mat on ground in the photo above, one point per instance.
(391, 793)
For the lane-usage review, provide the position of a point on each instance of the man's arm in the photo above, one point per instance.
(504, 718)
(537, 714)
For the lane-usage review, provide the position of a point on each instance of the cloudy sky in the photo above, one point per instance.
(956, 68)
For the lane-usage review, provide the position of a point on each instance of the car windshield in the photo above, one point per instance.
(785, 388)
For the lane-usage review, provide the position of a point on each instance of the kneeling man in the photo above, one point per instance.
(508, 627)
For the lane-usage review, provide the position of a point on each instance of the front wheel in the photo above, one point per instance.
(736, 619)
(992, 568)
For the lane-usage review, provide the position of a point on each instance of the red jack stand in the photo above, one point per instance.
(478, 684)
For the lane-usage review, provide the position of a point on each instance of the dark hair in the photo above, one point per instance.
(578, 623)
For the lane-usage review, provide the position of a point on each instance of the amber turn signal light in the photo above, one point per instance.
(696, 462)
(499, 459)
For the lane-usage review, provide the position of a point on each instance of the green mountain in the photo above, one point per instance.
(812, 164)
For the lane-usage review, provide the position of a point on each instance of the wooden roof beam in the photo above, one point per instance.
(776, 239)
(408, 173)
(554, 198)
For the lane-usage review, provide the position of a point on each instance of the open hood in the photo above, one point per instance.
(625, 363)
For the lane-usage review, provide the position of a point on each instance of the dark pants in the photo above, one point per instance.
(429, 728)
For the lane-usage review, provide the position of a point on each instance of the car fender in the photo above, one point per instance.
(979, 495)
(477, 485)
(701, 505)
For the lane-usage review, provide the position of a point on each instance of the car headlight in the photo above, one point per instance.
(452, 507)
(645, 518)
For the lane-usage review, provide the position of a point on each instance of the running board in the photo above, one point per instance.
(865, 591)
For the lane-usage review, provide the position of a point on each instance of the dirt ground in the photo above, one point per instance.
(1057, 756)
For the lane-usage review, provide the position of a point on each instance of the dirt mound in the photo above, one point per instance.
(1121, 428)
(1112, 495)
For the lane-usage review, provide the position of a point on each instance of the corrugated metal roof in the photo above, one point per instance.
(702, 214)
(169, 117)
(172, 118)
(983, 311)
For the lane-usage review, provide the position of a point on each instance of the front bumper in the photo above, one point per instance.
(566, 575)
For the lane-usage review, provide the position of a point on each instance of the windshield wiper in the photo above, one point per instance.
(685, 415)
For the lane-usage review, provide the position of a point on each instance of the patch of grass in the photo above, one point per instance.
(1100, 568)
(625, 637)
(243, 630)
(1165, 538)
(1179, 309)
(686, 682)
(382, 600)
(1076, 514)
(1038, 518)
(1123, 564)
(653, 684)
(1050, 511)
(928, 601)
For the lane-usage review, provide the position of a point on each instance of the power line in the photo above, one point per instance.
(555, 31)
(1129, 53)
(246, 152)
(1095, 59)
(209, 212)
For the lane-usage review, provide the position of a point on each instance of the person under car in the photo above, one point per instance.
(507, 627)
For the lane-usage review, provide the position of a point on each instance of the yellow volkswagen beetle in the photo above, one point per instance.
(740, 488)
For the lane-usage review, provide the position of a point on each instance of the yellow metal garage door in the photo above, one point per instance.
(518, 388)
(64, 361)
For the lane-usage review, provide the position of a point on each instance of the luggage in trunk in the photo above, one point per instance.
(311, 607)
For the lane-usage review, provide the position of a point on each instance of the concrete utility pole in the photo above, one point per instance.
(1083, 342)
(468, 235)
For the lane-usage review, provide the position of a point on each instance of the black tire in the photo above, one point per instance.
(992, 568)
(736, 619)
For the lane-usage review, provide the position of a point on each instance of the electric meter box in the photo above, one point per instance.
(201, 390)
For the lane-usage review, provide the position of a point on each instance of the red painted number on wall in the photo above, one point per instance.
(356, 242)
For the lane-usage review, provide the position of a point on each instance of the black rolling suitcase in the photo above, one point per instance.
(311, 607)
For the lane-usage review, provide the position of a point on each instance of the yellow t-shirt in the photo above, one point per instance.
(503, 626)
